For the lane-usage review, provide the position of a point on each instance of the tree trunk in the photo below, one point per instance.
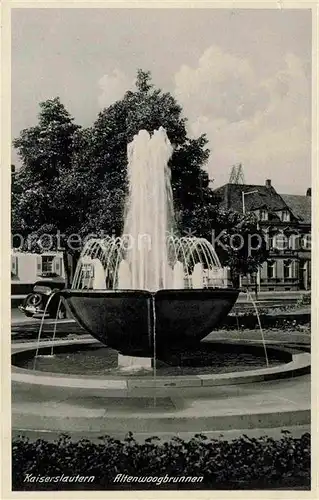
(67, 270)
(235, 278)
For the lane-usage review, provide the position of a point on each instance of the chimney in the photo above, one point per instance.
(268, 183)
(308, 193)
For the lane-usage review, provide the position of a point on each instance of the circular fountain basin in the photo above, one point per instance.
(45, 402)
(125, 320)
(197, 374)
(98, 360)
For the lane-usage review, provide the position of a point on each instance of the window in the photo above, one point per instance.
(263, 215)
(271, 270)
(306, 242)
(285, 216)
(293, 241)
(287, 269)
(47, 263)
(280, 242)
(14, 265)
(270, 240)
(87, 271)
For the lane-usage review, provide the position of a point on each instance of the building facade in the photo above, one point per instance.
(286, 223)
(27, 268)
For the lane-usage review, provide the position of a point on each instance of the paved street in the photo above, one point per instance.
(24, 329)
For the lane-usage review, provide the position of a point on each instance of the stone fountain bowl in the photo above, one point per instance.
(124, 319)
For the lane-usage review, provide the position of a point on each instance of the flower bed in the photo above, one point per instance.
(244, 463)
(283, 321)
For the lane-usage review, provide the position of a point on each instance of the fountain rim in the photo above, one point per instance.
(137, 293)
(299, 365)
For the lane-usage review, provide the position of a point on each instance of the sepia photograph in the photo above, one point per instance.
(161, 260)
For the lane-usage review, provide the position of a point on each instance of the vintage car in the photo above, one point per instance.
(35, 302)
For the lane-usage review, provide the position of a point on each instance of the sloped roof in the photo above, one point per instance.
(299, 205)
(265, 197)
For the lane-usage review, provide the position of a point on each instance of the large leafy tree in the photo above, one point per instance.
(40, 205)
(46, 152)
(239, 242)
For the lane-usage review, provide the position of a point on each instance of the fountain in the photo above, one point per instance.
(151, 297)
(149, 289)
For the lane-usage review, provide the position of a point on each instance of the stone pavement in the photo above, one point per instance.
(279, 403)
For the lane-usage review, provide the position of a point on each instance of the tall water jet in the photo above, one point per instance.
(149, 209)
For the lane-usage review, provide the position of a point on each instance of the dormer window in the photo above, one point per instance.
(285, 216)
(263, 215)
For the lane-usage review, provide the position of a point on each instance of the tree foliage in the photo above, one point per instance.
(240, 243)
(46, 152)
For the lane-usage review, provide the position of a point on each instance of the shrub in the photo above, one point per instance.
(304, 300)
(244, 463)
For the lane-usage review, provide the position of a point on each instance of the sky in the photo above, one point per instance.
(242, 76)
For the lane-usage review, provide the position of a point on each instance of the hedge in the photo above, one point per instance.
(243, 463)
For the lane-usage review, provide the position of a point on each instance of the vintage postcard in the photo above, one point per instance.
(159, 176)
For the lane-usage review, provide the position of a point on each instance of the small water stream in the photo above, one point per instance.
(249, 295)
